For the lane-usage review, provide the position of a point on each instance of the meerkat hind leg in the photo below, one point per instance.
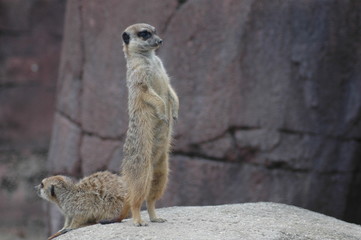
(137, 219)
(151, 211)
(124, 214)
(135, 203)
(138, 190)
(160, 178)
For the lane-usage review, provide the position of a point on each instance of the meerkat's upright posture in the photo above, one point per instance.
(152, 106)
(97, 197)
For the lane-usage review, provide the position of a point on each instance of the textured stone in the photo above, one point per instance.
(203, 62)
(70, 71)
(64, 147)
(251, 221)
(196, 181)
(20, 69)
(26, 127)
(251, 78)
(220, 148)
(96, 153)
(30, 41)
(22, 213)
(15, 15)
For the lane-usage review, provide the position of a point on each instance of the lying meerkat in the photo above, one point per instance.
(93, 199)
(152, 106)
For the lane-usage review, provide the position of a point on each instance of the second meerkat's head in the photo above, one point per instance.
(140, 38)
(50, 188)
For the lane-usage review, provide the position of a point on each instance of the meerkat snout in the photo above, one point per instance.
(38, 189)
(157, 42)
(49, 186)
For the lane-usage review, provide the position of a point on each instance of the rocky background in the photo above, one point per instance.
(269, 91)
(30, 42)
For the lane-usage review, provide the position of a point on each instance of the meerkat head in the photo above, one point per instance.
(50, 187)
(140, 38)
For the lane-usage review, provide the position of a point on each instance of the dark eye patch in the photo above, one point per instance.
(144, 34)
(126, 37)
(52, 191)
(41, 185)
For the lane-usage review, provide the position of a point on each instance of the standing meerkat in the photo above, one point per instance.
(152, 106)
(98, 197)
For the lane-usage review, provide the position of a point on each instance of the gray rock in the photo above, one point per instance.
(96, 153)
(65, 151)
(30, 42)
(249, 221)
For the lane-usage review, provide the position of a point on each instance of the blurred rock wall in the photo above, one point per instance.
(270, 102)
(30, 41)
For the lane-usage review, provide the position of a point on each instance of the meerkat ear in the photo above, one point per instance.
(52, 191)
(126, 37)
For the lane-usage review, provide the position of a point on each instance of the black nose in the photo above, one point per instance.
(160, 41)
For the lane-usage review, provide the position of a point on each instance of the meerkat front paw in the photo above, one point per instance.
(163, 117)
(175, 115)
(158, 220)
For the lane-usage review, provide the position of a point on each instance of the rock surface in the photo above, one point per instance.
(30, 43)
(249, 221)
(270, 108)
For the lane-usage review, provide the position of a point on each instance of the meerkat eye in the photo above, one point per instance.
(145, 34)
(41, 185)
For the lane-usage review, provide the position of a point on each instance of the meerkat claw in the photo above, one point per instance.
(164, 118)
(61, 232)
(140, 224)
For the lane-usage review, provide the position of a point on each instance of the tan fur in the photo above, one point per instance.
(97, 197)
(152, 105)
